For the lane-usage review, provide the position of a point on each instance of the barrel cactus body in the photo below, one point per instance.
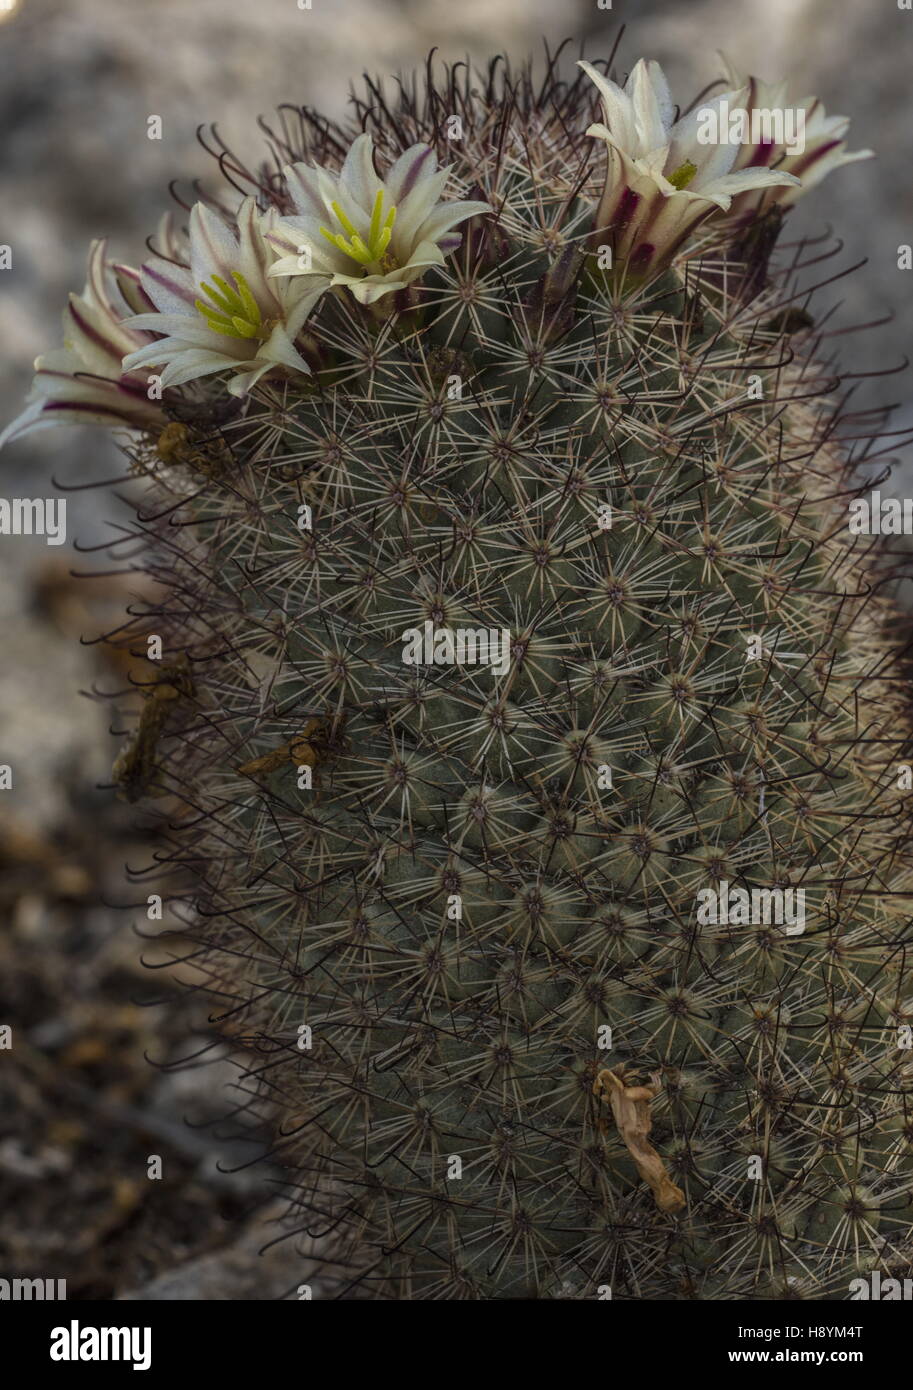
(532, 722)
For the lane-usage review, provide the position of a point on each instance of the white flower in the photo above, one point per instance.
(662, 182)
(224, 313)
(83, 382)
(374, 234)
(825, 146)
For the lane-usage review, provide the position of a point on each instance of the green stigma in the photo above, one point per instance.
(683, 175)
(233, 312)
(379, 233)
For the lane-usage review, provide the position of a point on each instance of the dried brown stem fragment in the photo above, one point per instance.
(314, 744)
(631, 1109)
(136, 766)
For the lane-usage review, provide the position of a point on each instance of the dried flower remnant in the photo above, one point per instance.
(631, 1109)
(136, 767)
(315, 744)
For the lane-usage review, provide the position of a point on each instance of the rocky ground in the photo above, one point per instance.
(94, 1084)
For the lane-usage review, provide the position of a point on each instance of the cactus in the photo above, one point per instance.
(511, 627)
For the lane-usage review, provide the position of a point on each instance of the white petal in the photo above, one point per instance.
(242, 382)
(733, 75)
(358, 177)
(290, 236)
(652, 103)
(299, 302)
(170, 241)
(147, 356)
(425, 253)
(130, 286)
(325, 257)
(850, 156)
(744, 180)
(415, 165)
(279, 348)
(170, 287)
(254, 257)
(311, 190)
(97, 283)
(685, 147)
(185, 328)
(619, 111)
(27, 423)
(447, 216)
(414, 208)
(99, 343)
(77, 403)
(675, 222)
(213, 246)
(163, 351)
(372, 288)
(191, 365)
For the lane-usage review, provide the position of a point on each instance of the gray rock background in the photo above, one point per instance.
(77, 84)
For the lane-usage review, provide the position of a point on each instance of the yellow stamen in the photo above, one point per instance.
(683, 175)
(233, 312)
(368, 252)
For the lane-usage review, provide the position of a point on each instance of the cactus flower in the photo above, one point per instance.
(374, 234)
(223, 313)
(662, 183)
(825, 146)
(82, 382)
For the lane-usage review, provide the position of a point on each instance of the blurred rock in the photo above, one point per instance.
(255, 1265)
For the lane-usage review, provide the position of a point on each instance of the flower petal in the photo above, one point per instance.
(291, 234)
(744, 180)
(651, 102)
(300, 303)
(358, 177)
(213, 246)
(415, 207)
(170, 287)
(618, 108)
(311, 190)
(192, 364)
(98, 341)
(447, 216)
(279, 348)
(413, 166)
(254, 257)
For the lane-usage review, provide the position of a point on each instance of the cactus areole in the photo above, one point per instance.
(529, 731)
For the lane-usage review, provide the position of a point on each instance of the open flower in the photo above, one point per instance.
(83, 382)
(224, 313)
(374, 235)
(662, 182)
(824, 144)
